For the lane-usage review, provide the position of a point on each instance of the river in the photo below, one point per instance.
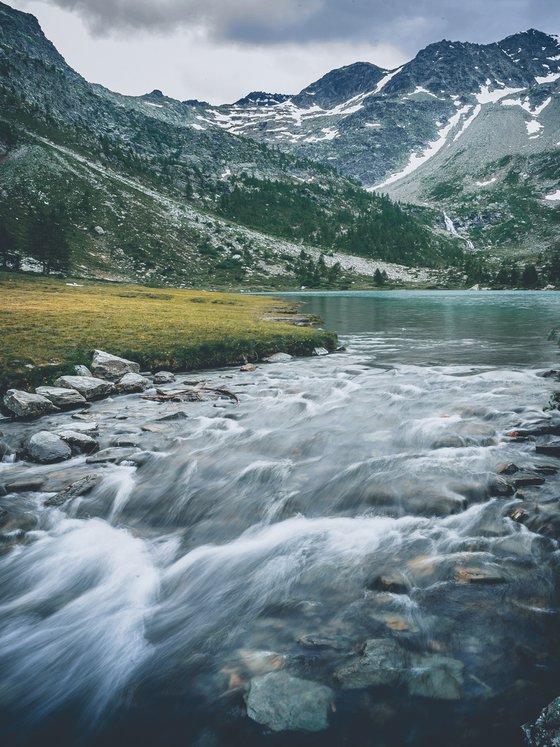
(341, 529)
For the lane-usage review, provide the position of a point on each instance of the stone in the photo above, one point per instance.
(29, 485)
(509, 468)
(75, 490)
(382, 662)
(180, 415)
(112, 455)
(527, 480)
(551, 449)
(279, 358)
(111, 367)
(133, 383)
(435, 676)
(46, 447)
(545, 732)
(99, 230)
(248, 368)
(80, 443)
(61, 396)
(88, 386)
(5, 449)
(26, 405)
(127, 441)
(320, 351)
(84, 427)
(82, 371)
(164, 377)
(285, 703)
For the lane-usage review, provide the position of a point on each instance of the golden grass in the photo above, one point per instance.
(46, 322)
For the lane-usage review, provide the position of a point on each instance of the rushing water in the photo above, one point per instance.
(346, 499)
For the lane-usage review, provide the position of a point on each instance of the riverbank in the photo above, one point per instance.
(50, 325)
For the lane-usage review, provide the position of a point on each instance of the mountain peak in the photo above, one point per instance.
(340, 85)
(261, 98)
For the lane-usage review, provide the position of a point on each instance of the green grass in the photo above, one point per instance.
(47, 326)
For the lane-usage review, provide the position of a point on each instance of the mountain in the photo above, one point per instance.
(144, 188)
(436, 132)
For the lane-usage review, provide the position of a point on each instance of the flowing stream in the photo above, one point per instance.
(346, 499)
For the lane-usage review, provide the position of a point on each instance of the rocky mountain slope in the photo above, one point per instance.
(436, 132)
(141, 188)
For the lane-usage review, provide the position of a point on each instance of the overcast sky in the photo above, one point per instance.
(219, 50)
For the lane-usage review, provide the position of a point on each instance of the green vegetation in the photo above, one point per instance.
(49, 325)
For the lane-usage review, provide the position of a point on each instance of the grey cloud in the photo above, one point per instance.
(408, 24)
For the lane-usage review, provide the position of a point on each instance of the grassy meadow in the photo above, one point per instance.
(47, 326)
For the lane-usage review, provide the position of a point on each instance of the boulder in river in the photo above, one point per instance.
(320, 351)
(545, 732)
(80, 443)
(26, 405)
(383, 662)
(285, 703)
(164, 377)
(279, 358)
(112, 367)
(131, 383)
(435, 676)
(46, 447)
(75, 490)
(88, 386)
(61, 396)
(112, 455)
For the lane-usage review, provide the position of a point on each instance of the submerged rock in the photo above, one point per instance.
(26, 405)
(382, 662)
(285, 703)
(112, 367)
(88, 386)
(436, 676)
(545, 732)
(112, 455)
(61, 396)
(46, 447)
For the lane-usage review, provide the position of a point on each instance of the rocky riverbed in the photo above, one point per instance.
(318, 552)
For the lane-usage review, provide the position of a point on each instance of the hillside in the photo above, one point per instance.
(136, 188)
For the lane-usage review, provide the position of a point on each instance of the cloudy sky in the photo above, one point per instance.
(219, 50)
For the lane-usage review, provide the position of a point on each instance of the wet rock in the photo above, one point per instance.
(180, 415)
(551, 449)
(62, 397)
(82, 371)
(112, 367)
(285, 703)
(527, 480)
(279, 358)
(395, 583)
(133, 383)
(435, 676)
(382, 663)
(164, 377)
(322, 642)
(125, 441)
(75, 490)
(5, 449)
(112, 455)
(29, 485)
(500, 487)
(509, 468)
(545, 469)
(545, 732)
(26, 405)
(87, 426)
(88, 386)
(46, 448)
(3, 492)
(320, 351)
(80, 443)
(248, 368)
(478, 574)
